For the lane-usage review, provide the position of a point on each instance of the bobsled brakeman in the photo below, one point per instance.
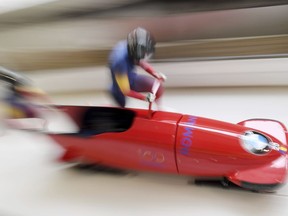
(251, 154)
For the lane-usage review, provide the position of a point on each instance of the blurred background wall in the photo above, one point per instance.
(73, 35)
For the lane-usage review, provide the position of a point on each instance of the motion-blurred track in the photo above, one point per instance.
(33, 183)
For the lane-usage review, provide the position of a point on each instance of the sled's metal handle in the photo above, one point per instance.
(154, 90)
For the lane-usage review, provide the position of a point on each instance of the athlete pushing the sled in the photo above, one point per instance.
(139, 46)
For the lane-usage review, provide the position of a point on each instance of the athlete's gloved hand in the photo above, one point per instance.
(162, 77)
(150, 97)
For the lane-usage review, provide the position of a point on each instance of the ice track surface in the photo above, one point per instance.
(33, 183)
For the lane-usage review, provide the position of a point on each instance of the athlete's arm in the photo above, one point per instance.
(148, 68)
(123, 83)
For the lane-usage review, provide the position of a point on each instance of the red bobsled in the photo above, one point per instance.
(251, 154)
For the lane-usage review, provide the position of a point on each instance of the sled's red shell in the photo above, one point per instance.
(251, 154)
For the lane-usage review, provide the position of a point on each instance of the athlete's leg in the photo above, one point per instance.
(118, 96)
(143, 83)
